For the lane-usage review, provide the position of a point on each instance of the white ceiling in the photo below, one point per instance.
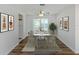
(33, 9)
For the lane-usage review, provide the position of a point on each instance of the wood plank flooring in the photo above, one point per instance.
(64, 49)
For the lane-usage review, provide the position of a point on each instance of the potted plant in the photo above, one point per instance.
(52, 28)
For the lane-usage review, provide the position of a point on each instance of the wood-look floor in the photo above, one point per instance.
(64, 49)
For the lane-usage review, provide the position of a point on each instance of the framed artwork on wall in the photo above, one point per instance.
(61, 22)
(11, 23)
(66, 23)
(3, 22)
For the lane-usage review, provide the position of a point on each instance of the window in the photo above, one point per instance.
(40, 25)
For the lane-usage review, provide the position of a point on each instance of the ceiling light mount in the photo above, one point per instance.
(42, 4)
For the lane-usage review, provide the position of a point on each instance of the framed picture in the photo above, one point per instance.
(61, 22)
(3, 22)
(66, 23)
(11, 23)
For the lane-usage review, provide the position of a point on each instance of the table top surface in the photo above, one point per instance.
(42, 34)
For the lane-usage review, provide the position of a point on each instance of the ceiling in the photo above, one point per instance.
(33, 9)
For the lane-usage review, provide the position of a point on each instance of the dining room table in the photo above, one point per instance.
(41, 39)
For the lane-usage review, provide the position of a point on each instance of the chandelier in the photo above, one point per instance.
(41, 13)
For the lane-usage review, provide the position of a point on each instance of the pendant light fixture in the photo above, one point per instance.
(41, 13)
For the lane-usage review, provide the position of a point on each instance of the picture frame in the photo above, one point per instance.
(11, 23)
(61, 22)
(66, 23)
(3, 22)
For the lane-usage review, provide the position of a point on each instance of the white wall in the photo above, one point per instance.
(77, 28)
(29, 20)
(9, 39)
(68, 37)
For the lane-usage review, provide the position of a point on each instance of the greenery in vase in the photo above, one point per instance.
(52, 27)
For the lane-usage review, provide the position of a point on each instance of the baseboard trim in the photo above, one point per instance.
(24, 36)
(76, 52)
(65, 43)
(13, 48)
(16, 44)
(23, 39)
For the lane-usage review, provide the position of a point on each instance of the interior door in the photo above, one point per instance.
(20, 26)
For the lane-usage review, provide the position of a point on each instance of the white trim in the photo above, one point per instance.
(24, 36)
(13, 47)
(16, 45)
(76, 52)
(65, 43)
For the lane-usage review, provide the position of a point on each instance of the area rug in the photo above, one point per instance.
(31, 46)
(54, 48)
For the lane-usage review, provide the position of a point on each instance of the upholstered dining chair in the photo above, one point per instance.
(31, 37)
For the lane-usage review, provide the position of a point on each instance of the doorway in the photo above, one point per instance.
(20, 26)
(40, 25)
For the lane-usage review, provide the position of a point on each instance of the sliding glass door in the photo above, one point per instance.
(40, 25)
